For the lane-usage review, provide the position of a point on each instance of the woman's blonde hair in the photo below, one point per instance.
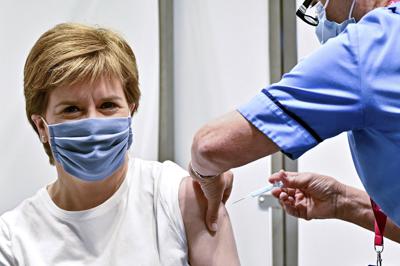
(71, 53)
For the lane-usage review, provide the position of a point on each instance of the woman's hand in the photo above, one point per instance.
(309, 196)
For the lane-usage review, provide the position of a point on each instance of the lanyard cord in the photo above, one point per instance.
(380, 223)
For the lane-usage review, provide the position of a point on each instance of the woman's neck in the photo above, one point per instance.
(72, 194)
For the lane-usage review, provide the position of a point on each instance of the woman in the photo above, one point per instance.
(81, 87)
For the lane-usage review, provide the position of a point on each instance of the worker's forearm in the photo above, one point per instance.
(355, 207)
(228, 142)
(207, 158)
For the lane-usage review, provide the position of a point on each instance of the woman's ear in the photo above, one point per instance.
(132, 107)
(40, 126)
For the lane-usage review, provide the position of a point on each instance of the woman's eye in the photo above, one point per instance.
(108, 105)
(71, 109)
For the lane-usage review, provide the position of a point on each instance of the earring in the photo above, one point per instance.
(43, 139)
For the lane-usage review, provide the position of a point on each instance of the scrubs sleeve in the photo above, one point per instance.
(6, 255)
(318, 99)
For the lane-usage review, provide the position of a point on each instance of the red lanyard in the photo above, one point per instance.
(380, 223)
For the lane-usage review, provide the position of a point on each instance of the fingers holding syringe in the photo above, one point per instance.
(276, 177)
(290, 196)
(287, 178)
(285, 193)
(291, 201)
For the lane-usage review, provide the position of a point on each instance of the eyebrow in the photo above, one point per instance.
(65, 103)
(106, 99)
(112, 98)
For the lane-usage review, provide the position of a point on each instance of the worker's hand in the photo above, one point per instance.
(309, 196)
(217, 190)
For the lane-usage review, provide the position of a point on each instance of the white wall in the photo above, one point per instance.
(333, 242)
(23, 162)
(221, 61)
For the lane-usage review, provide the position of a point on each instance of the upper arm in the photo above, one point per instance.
(205, 248)
(6, 257)
(319, 98)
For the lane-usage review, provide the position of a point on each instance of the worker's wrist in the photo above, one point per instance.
(342, 202)
(352, 204)
(194, 173)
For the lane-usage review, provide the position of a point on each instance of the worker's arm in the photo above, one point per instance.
(228, 142)
(313, 196)
(220, 145)
(295, 114)
(205, 248)
(355, 207)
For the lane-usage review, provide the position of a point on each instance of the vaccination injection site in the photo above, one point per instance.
(200, 132)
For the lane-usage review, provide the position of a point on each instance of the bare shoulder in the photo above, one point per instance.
(205, 248)
(191, 199)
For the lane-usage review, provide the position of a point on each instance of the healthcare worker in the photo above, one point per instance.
(350, 84)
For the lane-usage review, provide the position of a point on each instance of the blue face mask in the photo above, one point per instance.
(327, 29)
(91, 149)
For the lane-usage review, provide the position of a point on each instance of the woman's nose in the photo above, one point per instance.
(92, 112)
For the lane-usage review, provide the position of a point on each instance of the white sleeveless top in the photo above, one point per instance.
(141, 224)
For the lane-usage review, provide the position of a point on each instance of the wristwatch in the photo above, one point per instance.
(199, 176)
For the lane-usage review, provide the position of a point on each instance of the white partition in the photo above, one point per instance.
(221, 61)
(23, 162)
(333, 242)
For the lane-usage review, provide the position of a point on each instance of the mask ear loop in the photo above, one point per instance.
(325, 6)
(352, 8)
(45, 123)
(128, 153)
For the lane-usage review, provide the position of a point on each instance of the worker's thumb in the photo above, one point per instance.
(212, 214)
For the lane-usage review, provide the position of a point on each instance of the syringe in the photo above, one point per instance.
(261, 191)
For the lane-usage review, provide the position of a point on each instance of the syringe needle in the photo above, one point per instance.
(261, 191)
(236, 201)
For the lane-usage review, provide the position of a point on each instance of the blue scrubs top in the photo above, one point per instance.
(352, 84)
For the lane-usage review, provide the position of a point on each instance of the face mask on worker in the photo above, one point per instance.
(91, 149)
(327, 29)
